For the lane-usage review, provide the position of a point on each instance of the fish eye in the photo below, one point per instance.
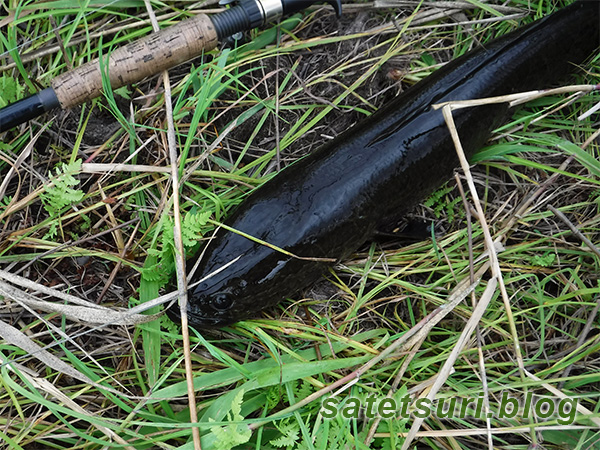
(221, 301)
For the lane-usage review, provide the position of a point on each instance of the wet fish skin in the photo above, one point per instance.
(332, 201)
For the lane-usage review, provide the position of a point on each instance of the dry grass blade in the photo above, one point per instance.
(89, 314)
(447, 368)
(518, 98)
(575, 230)
(559, 394)
(179, 250)
(22, 156)
(480, 340)
(15, 337)
(489, 242)
(86, 311)
(108, 168)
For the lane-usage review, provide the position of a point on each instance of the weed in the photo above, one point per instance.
(59, 194)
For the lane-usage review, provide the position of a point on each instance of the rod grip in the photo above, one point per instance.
(142, 58)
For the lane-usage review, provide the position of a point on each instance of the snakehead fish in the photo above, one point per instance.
(329, 203)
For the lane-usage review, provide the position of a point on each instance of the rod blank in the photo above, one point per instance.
(27, 108)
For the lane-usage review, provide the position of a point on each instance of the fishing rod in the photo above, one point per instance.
(152, 54)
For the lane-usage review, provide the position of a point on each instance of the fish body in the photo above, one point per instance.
(329, 203)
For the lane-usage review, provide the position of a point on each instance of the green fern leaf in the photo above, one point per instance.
(290, 435)
(232, 435)
(10, 91)
(191, 227)
(60, 193)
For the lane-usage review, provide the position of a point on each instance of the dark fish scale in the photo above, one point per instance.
(329, 203)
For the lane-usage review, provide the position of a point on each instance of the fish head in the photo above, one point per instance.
(238, 278)
(226, 291)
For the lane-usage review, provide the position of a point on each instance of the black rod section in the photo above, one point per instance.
(242, 17)
(27, 108)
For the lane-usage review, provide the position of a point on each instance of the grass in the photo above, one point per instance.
(377, 324)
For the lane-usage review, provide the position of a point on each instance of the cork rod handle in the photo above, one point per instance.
(145, 57)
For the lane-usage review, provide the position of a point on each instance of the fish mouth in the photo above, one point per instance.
(198, 321)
